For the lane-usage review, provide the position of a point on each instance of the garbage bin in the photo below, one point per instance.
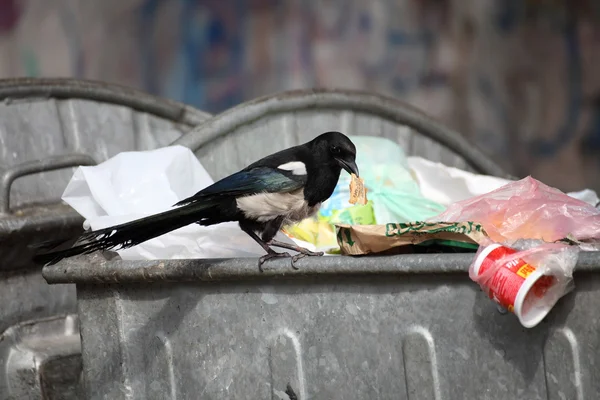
(390, 327)
(48, 126)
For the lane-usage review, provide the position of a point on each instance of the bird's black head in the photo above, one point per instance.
(335, 148)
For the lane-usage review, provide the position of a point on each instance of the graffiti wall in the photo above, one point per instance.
(517, 77)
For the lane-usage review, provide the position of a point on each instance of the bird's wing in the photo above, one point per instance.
(247, 182)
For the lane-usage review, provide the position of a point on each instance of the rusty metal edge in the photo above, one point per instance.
(96, 270)
(68, 88)
(7, 177)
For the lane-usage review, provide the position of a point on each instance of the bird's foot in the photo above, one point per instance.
(303, 253)
(270, 256)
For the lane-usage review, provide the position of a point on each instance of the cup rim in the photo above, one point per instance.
(483, 255)
(532, 319)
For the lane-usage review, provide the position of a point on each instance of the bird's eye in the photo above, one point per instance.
(335, 150)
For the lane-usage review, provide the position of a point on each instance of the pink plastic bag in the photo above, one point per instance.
(527, 209)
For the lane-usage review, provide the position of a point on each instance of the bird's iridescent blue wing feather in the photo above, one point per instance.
(247, 182)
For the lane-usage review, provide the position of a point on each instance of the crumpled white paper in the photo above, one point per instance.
(447, 185)
(136, 184)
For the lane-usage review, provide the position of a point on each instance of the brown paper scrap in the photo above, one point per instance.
(366, 239)
(358, 191)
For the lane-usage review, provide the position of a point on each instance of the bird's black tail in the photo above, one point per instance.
(125, 235)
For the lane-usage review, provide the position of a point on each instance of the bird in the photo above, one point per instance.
(278, 190)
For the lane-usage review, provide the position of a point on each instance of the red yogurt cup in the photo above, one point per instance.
(516, 285)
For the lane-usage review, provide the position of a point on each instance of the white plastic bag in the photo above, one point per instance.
(447, 185)
(136, 184)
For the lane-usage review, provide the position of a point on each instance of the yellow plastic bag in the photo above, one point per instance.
(320, 230)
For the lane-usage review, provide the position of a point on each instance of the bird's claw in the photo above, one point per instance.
(303, 254)
(270, 256)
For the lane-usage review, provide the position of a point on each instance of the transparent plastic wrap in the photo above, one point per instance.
(525, 277)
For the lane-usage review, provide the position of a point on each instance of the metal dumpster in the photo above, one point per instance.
(391, 327)
(48, 126)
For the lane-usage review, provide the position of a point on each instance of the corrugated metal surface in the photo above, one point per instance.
(59, 117)
(257, 128)
(408, 327)
(53, 124)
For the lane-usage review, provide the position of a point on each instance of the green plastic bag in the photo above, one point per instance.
(393, 192)
(354, 215)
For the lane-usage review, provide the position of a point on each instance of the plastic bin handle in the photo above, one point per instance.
(8, 176)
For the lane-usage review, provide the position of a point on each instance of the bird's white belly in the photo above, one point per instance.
(265, 207)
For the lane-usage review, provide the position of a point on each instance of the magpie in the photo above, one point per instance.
(278, 190)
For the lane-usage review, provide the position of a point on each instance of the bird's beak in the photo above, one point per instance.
(349, 166)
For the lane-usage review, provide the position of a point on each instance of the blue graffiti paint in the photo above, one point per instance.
(396, 37)
(507, 18)
(200, 40)
(364, 22)
(216, 32)
(236, 95)
(148, 65)
(193, 47)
